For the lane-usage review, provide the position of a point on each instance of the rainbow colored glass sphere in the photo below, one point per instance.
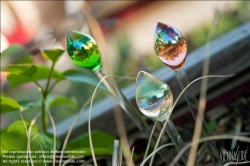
(83, 50)
(170, 46)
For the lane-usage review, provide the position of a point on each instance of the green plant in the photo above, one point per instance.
(229, 19)
(23, 137)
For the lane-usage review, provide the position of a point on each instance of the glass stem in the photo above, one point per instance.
(124, 103)
(193, 106)
(117, 154)
(176, 139)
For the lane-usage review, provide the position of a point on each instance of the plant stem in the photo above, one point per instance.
(44, 95)
(43, 106)
(49, 78)
(38, 85)
(44, 125)
(52, 86)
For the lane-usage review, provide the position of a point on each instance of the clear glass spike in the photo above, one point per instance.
(155, 100)
(153, 97)
(171, 48)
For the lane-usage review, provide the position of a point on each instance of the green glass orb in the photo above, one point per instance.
(83, 50)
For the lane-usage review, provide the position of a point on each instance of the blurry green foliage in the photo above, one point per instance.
(81, 77)
(125, 61)
(18, 130)
(243, 11)
(211, 126)
(68, 102)
(14, 138)
(228, 20)
(16, 54)
(20, 74)
(52, 55)
(102, 142)
(8, 104)
(153, 62)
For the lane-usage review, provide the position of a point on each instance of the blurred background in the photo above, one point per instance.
(127, 27)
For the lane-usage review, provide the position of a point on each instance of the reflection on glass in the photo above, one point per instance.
(153, 96)
(170, 46)
(155, 100)
(83, 50)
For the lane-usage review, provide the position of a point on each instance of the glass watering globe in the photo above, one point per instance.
(83, 50)
(155, 100)
(153, 97)
(171, 48)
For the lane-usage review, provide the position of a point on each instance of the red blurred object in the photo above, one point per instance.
(125, 15)
(18, 36)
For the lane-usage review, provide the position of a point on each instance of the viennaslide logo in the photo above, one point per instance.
(234, 155)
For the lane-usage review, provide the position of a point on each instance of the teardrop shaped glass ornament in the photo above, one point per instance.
(155, 100)
(170, 46)
(153, 97)
(83, 50)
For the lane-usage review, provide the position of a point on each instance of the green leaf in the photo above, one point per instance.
(10, 142)
(52, 54)
(18, 127)
(24, 70)
(15, 139)
(8, 105)
(102, 142)
(64, 101)
(49, 140)
(20, 74)
(41, 74)
(80, 77)
(26, 104)
(15, 54)
(211, 126)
